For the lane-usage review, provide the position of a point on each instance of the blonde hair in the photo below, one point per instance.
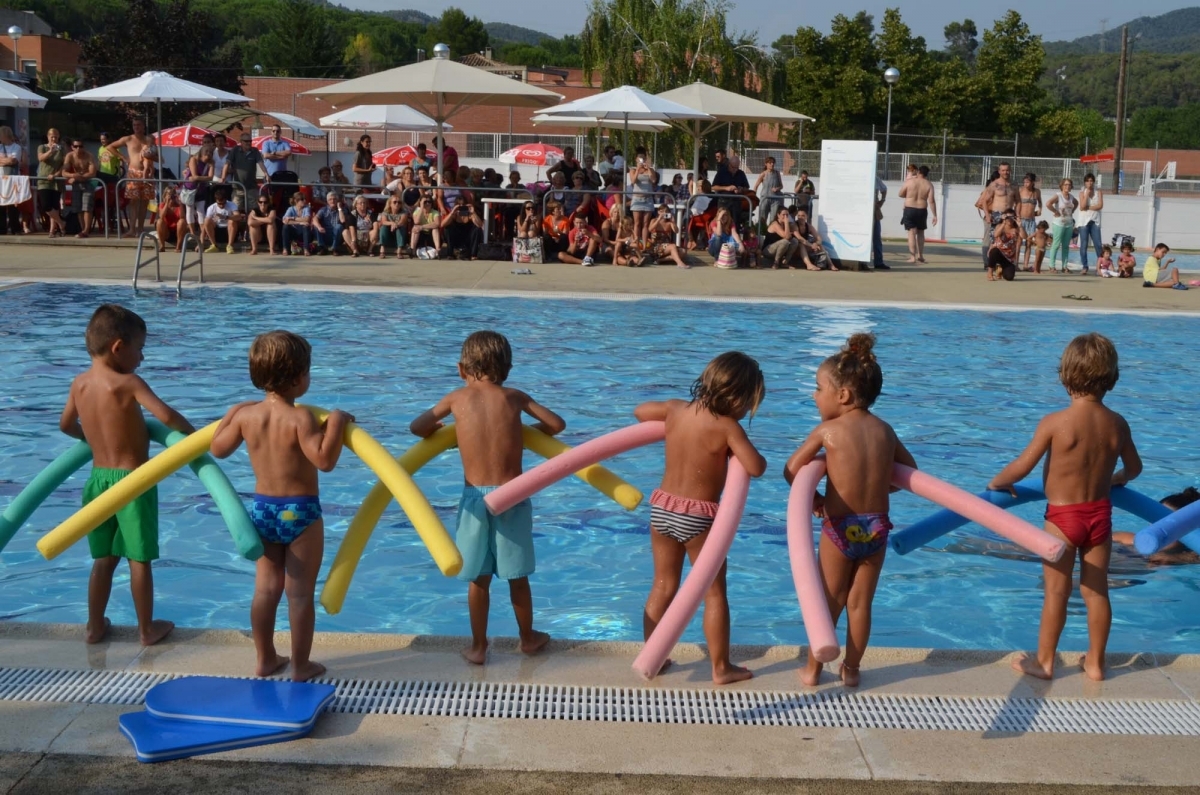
(1089, 365)
(486, 354)
(730, 386)
(278, 360)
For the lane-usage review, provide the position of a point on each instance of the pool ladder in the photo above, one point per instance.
(142, 260)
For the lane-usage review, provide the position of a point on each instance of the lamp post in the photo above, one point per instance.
(891, 76)
(15, 34)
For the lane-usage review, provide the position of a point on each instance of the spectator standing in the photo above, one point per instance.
(197, 178)
(79, 169)
(769, 186)
(51, 156)
(140, 159)
(567, 166)
(591, 175)
(997, 198)
(731, 182)
(275, 152)
(422, 159)
(11, 156)
(606, 163)
(364, 165)
(260, 223)
(329, 223)
(920, 207)
(220, 157)
(1062, 207)
(110, 163)
(877, 231)
(241, 166)
(644, 180)
(1091, 202)
(449, 155)
(804, 190)
(1029, 207)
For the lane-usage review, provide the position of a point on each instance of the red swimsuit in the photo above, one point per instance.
(1087, 524)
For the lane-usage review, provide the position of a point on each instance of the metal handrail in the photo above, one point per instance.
(138, 263)
(672, 200)
(184, 264)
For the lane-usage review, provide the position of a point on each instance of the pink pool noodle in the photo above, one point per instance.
(708, 563)
(983, 513)
(814, 608)
(561, 466)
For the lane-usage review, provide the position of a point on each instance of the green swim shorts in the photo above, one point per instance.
(500, 545)
(133, 532)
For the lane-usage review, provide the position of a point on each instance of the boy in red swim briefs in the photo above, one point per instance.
(1081, 444)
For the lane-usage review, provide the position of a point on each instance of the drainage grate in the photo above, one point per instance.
(831, 709)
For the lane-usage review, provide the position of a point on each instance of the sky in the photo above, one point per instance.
(773, 18)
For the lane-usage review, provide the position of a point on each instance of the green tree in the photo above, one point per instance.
(1008, 70)
(360, 56)
(455, 29)
(1170, 128)
(836, 78)
(962, 40)
(56, 82)
(301, 42)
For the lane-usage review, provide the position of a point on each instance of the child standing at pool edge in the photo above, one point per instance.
(287, 446)
(104, 409)
(487, 418)
(860, 450)
(702, 433)
(1082, 444)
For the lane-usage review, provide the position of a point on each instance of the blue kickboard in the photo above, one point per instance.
(158, 740)
(263, 703)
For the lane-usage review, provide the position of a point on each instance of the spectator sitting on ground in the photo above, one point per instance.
(610, 230)
(780, 243)
(297, 226)
(463, 229)
(221, 216)
(703, 211)
(362, 231)
(582, 243)
(724, 233)
(812, 249)
(528, 223)
(451, 190)
(427, 225)
(555, 228)
(260, 223)
(1126, 262)
(393, 226)
(170, 226)
(1155, 273)
(329, 222)
(337, 176)
(79, 168)
(628, 251)
(662, 238)
(614, 189)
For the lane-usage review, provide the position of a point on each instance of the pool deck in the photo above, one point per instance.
(60, 747)
(952, 277)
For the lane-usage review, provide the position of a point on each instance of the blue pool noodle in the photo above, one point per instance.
(939, 524)
(1178, 526)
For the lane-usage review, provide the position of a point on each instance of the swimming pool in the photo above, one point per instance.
(964, 390)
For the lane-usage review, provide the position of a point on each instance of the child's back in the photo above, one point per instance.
(698, 445)
(487, 417)
(860, 449)
(1084, 441)
(111, 417)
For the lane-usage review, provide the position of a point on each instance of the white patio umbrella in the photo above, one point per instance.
(381, 117)
(13, 96)
(725, 107)
(628, 103)
(439, 88)
(156, 87)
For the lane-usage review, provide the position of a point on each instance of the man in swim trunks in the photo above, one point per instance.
(1081, 445)
(104, 409)
(1029, 207)
(139, 165)
(917, 193)
(287, 446)
(997, 198)
(487, 416)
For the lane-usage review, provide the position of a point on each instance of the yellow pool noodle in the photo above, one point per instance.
(333, 595)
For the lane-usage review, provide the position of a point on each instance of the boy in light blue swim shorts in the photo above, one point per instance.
(487, 416)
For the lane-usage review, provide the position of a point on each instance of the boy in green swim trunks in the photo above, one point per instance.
(487, 416)
(287, 446)
(104, 409)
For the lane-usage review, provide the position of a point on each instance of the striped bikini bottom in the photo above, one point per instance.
(680, 518)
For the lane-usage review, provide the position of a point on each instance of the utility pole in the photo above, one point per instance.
(1119, 144)
(1103, 30)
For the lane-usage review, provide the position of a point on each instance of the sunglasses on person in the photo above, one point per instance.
(247, 140)
(264, 201)
(76, 146)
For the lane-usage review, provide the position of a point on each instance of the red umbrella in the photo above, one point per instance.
(188, 135)
(399, 156)
(297, 148)
(533, 155)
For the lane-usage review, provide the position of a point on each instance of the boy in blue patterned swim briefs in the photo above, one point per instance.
(487, 416)
(287, 446)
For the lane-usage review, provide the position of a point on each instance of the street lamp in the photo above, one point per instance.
(15, 34)
(891, 76)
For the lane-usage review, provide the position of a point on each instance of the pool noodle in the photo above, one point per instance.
(979, 511)
(704, 571)
(810, 588)
(939, 524)
(226, 498)
(559, 467)
(354, 543)
(1178, 526)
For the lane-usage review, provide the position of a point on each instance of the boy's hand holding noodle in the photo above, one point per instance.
(701, 434)
(1081, 444)
(860, 450)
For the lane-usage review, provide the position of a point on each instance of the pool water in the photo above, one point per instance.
(964, 390)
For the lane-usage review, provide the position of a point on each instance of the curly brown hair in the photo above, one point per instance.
(109, 323)
(855, 367)
(278, 360)
(731, 386)
(1089, 365)
(486, 355)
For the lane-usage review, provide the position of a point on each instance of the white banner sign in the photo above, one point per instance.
(847, 200)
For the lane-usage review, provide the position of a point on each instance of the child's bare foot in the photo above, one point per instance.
(849, 675)
(811, 675)
(534, 642)
(730, 673)
(272, 666)
(310, 670)
(911, 260)
(159, 629)
(1027, 664)
(96, 636)
(1095, 672)
(475, 654)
